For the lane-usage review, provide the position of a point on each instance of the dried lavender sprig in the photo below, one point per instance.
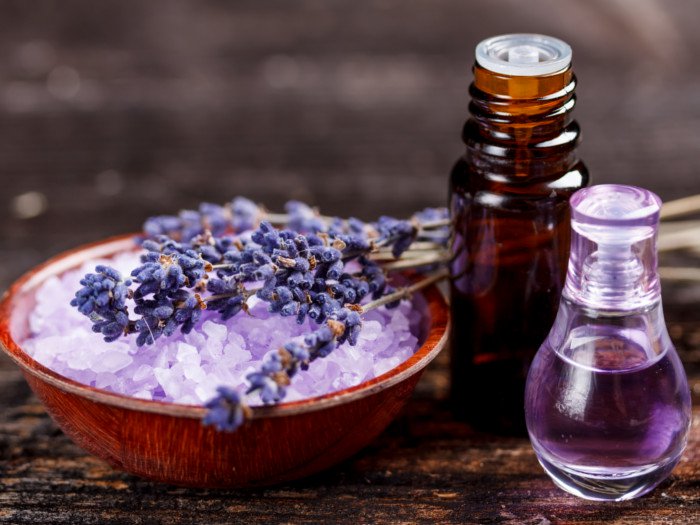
(242, 215)
(228, 409)
(430, 218)
(302, 274)
(239, 215)
(432, 259)
(406, 291)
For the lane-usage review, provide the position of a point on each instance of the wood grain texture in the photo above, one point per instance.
(356, 106)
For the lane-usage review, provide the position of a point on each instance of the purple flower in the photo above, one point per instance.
(303, 218)
(163, 225)
(398, 234)
(299, 353)
(244, 214)
(240, 215)
(226, 411)
(270, 390)
(213, 218)
(103, 299)
(439, 235)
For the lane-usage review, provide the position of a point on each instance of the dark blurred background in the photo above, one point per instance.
(112, 111)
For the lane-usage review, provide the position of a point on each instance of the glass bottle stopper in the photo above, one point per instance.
(613, 261)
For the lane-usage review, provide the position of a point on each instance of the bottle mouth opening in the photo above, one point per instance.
(523, 54)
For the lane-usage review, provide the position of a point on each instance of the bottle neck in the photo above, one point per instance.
(521, 126)
(619, 275)
(609, 340)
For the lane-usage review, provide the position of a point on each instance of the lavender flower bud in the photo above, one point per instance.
(225, 410)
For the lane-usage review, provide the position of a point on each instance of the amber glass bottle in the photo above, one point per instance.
(509, 198)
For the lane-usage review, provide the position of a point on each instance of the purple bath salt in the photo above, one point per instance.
(187, 368)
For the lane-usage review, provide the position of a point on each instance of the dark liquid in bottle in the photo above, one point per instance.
(509, 202)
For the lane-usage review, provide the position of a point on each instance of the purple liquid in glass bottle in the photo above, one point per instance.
(607, 403)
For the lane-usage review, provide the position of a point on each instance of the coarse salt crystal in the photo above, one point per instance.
(111, 362)
(187, 354)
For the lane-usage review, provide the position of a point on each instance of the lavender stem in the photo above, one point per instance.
(406, 291)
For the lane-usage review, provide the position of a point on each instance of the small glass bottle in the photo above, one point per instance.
(509, 198)
(607, 400)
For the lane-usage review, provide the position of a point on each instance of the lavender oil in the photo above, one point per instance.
(607, 399)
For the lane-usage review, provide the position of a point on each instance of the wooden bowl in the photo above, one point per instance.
(167, 442)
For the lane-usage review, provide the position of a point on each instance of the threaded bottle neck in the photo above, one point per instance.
(527, 111)
(521, 127)
(522, 98)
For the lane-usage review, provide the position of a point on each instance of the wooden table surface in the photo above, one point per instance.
(113, 111)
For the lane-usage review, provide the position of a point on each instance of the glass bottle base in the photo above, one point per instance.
(601, 484)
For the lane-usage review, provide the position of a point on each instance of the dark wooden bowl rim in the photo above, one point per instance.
(434, 342)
